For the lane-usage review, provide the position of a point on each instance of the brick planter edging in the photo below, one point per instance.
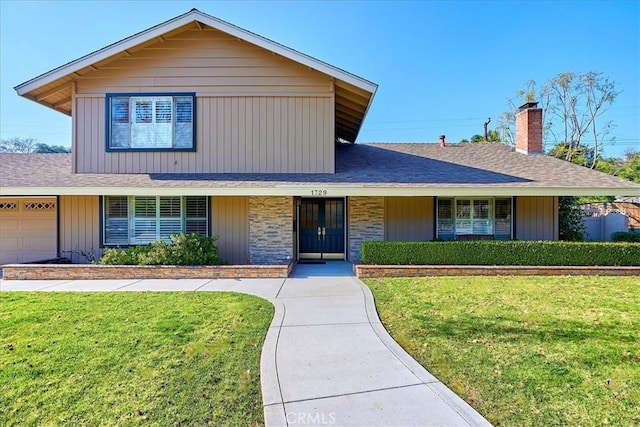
(107, 272)
(377, 271)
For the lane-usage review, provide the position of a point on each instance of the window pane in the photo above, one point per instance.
(145, 207)
(143, 111)
(169, 226)
(184, 109)
(480, 209)
(196, 215)
(144, 230)
(117, 207)
(163, 111)
(445, 219)
(119, 123)
(116, 224)
(183, 129)
(170, 207)
(503, 219)
(144, 221)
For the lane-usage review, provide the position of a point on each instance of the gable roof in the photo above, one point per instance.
(354, 94)
(361, 170)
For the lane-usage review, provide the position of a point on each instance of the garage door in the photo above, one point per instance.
(28, 229)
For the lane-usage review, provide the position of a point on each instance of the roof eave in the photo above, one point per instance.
(179, 21)
(334, 189)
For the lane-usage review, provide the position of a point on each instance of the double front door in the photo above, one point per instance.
(321, 229)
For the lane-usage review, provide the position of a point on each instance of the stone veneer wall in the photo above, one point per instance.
(130, 272)
(270, 230)
(366, 222)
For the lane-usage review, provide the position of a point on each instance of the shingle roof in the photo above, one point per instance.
(361, 169)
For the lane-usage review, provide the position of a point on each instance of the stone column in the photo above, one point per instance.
(270, 229)
(366, 222)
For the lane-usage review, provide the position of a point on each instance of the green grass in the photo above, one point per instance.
(131, 358)
(525, 350)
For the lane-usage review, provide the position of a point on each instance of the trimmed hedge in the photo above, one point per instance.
(483, 252)
(625, 236)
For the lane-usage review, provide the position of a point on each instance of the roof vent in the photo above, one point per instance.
(442, 143)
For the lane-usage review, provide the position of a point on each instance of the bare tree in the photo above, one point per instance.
(600, 93)
(572, 105)
(29, 145)
(18, 145)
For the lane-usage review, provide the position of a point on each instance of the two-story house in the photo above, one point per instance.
(197, 125)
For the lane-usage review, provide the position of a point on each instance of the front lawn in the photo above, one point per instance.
(131, 358)
(525, 350)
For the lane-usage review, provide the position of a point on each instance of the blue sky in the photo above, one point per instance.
(443, 67)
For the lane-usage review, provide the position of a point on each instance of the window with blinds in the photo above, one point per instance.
(151, 122)
(134, 220)
(474, 216)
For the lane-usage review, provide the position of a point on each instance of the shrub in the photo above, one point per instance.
(625, 236)
(482, 252)
(183, 249)
(118, 256)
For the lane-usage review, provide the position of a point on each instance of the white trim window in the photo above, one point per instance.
(136, 220)
(150, 122)
(484, 216)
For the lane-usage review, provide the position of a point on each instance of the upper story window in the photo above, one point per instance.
(151, 122)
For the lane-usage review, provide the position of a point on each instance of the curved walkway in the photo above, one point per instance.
(327, 359)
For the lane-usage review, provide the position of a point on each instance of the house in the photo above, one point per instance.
(197, 125)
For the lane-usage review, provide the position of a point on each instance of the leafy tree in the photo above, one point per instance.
(492, 136)
(570, 225)
(45, 148)
(29, 145)
(630, 169)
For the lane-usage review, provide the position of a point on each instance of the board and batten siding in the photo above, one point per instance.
(79, 222)
(536, 218)
(408, 218)
(233, 135)
(256, 112)
(230, 216)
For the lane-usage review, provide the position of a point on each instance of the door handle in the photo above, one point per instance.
(319, 232)
(324, 233)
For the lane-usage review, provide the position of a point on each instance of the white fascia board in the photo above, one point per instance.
(287, 52)
(103, 53)
(311, 190)
(178, 22)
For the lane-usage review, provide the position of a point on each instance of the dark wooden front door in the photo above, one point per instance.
(322, 229)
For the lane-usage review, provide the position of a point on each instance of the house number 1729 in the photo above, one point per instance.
(318, 192)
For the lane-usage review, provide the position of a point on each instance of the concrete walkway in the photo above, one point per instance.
(327, 359)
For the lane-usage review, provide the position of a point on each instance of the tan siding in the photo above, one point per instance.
(536, 218)
(247, 134)
(256, 111)
(408, 218)
(205, 62)
(79, 226)
(230, 216)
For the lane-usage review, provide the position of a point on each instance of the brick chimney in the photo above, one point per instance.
(529, 129)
